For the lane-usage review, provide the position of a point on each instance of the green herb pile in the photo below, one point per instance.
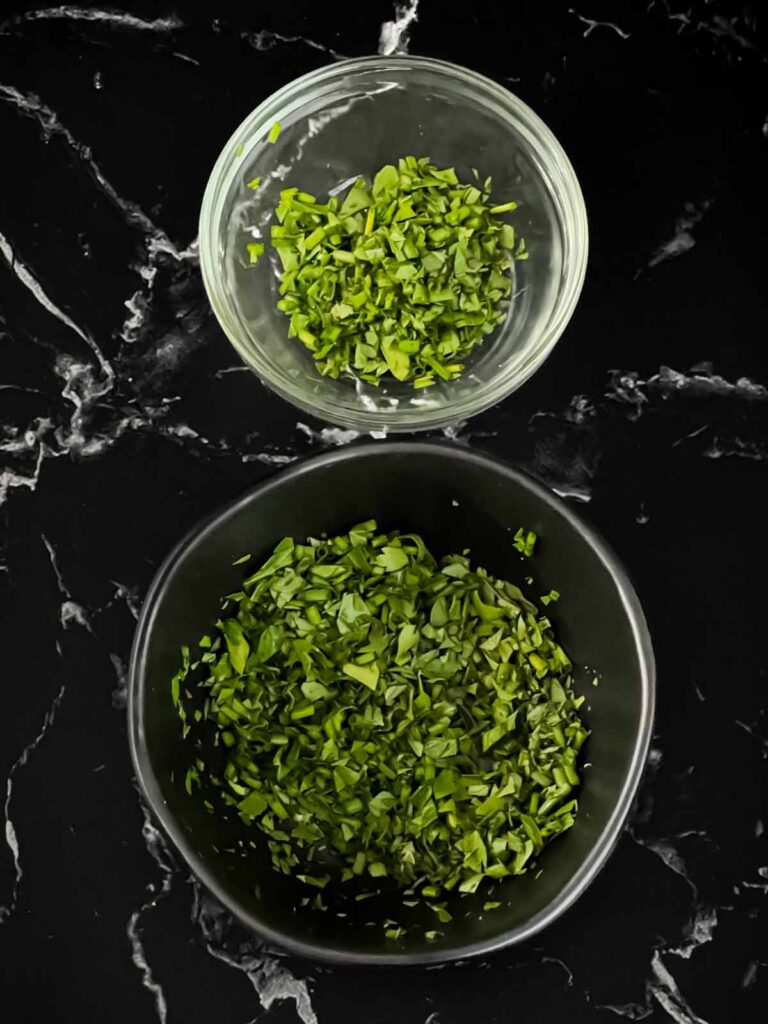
(383, 714)
(406, 276)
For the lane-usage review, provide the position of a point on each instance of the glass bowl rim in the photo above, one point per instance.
(571, 213)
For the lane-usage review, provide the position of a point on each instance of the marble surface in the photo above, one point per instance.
(125, 416)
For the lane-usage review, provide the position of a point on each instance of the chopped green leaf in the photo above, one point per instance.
(404, 276)
(368, 675)
(525, 541)
(253, 805)
(237, 645)
(375, 713)
(255, 250)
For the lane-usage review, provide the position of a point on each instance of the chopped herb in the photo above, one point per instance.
(414, 716)
(320, 882)
(404, 276)
(254, 183)
(553, 595)
(525, 541)
(274, 132)
(255, 249)
(443, 915)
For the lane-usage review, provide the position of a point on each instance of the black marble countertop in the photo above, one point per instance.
(125, 416)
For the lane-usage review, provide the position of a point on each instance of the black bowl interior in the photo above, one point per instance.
(456, 499)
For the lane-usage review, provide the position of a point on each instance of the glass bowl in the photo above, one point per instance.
(350, 119)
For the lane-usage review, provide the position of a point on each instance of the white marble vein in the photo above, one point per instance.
(724, 29)
(568, 473)
(156, 241)
(667, 853)
(269, 458)
(27, 278)
(82, 388)
(661, 987)
(690, 435)
(11, 838)
(752, 731)
(158, 245)
(720, 448)
(328, 436)
(701, 380)
(22, 389)
(456, 431)
(630, 1011)
(115, 19)
(183, 432)
(592, 25)
(266, 40)
(157, 849)
(563, 965)
(138, 307)
(120, 691)
(681, 240)
(139, 959)
(231, 369)
(660, 846)
(10, 479)
(628, 388)
(394, 36)
(84, 385)
(128, 595)
(268, 974)
(664, 989)
(30, 105)
(579, 410)
(700, 929)
(762, 885)
(750, 975)
(70, 612)
(684, 17)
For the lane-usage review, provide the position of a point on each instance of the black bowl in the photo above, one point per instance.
(456, 498)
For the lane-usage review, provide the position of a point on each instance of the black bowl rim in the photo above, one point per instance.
(608, 838)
